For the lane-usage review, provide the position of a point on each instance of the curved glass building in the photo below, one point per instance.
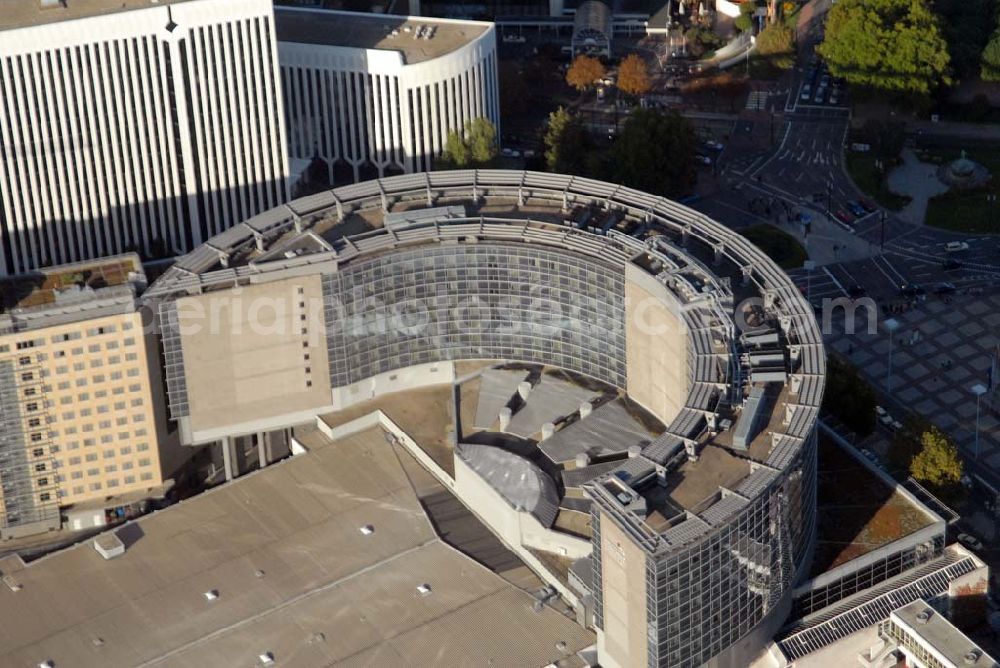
(698, 533)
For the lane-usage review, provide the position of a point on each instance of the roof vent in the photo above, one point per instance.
(98, 642)
(265, 659)
(211, 594)
(424, 589)
(11, 583)
(367, 529)
(924, 615)
(971, 657)
(258, 573)
(48, 663)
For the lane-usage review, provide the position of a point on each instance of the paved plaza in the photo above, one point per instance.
(933, 375)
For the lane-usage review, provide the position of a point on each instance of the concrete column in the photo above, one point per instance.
(229, 458)
(262, 454)
(504, 418)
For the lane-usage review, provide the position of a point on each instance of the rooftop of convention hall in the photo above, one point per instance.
(752, 393)
(417, 39)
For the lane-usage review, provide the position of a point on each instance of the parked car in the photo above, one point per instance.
(834, 97)
(820, 95)
(510, 153)
(844, 217)
(911, 290)
(956, 246)
(880, 411)
(806, 92)
(856, 209)
(951, 264)
(868, 205)
(714, 145)
(970, 541)
(703, 159)
(944, 288)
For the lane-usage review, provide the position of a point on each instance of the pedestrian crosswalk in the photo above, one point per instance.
(757, 101)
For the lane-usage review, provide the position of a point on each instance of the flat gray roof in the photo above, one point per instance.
(26, 13)
(294, 575)
(376, 31)
(935, 631)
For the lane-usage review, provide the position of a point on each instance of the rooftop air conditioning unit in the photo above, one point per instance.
(367, 529)
(424, 589)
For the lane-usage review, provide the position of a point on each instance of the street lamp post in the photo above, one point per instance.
(979, 390)
(809, 266)
(890, 325)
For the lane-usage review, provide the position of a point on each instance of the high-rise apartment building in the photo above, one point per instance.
(134, 125)
(79, 379)
(374, 95)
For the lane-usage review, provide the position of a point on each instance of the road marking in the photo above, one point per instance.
(835, 281)
(879, 267)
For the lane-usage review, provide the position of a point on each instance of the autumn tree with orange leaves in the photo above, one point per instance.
(584, 72)
(633, 76)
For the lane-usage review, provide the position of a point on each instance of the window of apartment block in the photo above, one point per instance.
(146, 476)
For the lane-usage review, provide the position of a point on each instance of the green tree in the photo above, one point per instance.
(474, 147)
(848, 397)
(456, 151)
(991, 59)
(655, 153)
(966, 26)
(482, 140)
(937, 463)
(889, 45)
(744, 22)
(566, 143)
(700, 40)
(777, 44)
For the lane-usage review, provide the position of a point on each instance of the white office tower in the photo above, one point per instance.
(134, 124)
(373, 95)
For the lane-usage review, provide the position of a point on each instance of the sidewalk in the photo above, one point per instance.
(974, 133)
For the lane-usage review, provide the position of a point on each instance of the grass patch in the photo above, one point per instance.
(777, 244)
(968, 211)
(866, 176)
